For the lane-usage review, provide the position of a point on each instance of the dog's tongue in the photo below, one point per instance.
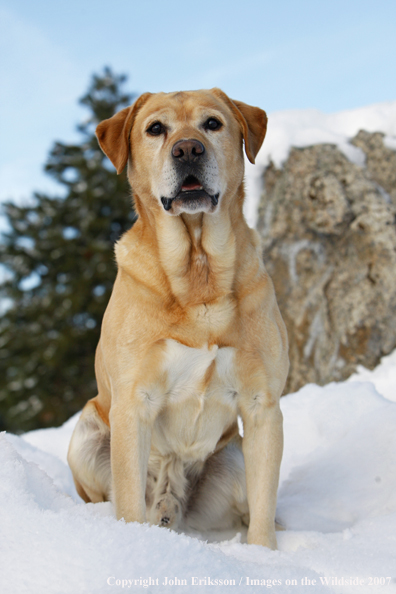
(191, 183)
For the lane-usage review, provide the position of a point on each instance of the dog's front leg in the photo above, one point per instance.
(262, 449)
(130, 450)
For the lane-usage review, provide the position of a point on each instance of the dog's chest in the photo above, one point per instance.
(199, 401)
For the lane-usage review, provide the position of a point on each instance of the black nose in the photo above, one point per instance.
(188, 150)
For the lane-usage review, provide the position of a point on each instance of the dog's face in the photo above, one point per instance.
(185, 148)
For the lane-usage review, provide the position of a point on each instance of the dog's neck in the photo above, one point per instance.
(196, 252)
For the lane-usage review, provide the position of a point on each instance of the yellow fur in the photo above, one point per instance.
(192, 335)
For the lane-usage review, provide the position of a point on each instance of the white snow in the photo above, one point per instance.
(305, 127)
(383, 377)
(337, 501)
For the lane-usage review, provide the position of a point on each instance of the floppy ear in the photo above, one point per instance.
(113, 134)
(254, 124)
(252, 120)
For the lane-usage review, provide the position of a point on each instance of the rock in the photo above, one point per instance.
(380, 161)
(329, 235)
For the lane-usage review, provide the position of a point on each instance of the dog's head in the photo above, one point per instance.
(184, 149)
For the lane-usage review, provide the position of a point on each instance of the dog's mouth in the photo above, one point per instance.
(191, 184)
(193, 195)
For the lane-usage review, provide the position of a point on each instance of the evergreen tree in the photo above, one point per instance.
(59, 255)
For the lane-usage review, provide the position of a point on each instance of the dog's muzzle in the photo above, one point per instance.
(188, 157)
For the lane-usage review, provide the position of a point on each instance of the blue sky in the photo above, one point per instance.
(278, 55)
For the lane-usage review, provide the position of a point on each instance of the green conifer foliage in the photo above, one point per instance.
(60, 259)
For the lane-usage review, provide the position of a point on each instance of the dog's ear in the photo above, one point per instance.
(253, 122)
(113, 134)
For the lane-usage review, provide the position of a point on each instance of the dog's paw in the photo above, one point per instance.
(166, 512)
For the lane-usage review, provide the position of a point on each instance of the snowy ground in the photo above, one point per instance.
(305, 127)
(337, 500)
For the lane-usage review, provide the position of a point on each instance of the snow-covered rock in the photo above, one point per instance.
(327, 222)
(306, 127)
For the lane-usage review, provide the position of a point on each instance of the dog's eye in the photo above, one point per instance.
(212, 124)
(156, 129)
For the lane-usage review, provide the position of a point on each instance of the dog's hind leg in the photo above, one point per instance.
(89, 455)
(218, 498)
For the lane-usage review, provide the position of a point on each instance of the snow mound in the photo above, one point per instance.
(383, 377)
(305, 127)
(337, 501)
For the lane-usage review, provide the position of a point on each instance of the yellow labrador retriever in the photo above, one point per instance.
(192, 335)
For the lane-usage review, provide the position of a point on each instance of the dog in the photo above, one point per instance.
(192, 336)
